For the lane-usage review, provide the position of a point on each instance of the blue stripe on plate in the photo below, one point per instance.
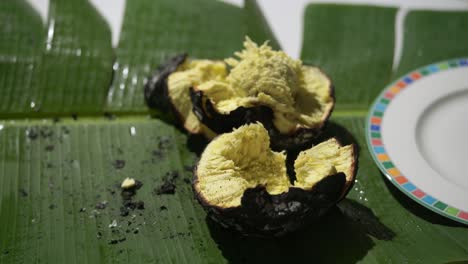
(429, 199)
(409, 187)
(380, 107)
(408, 80)
(375, 128)
(379, 150)
(433, 68)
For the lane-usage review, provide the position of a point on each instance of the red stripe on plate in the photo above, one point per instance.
(388, 95)
(463, 215)
(418, 193)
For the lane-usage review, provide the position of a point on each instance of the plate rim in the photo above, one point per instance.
(376, 147)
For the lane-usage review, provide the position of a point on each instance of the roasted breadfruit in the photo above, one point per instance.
(244, 185)
(291, 100)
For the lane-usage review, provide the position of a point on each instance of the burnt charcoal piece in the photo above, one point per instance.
(109, 116)
(23, 192)
(101, 205)
(46, 133)
(140, 205)
(32, 134)
(124, 211)
(156, 93)
(166, 188)
(117, 241)
(119, 164)
(128, 204)
(49, 148)
(131, 205)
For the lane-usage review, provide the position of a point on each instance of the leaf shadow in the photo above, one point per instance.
(417, 209)
(339, 237)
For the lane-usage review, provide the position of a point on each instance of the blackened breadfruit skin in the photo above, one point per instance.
(263, 214)
(156, 90)
(224, 123)
(220, 123)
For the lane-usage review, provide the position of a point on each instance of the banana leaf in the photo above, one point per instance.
(73, 126)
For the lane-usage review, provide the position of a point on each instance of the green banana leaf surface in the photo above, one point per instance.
(74, 125)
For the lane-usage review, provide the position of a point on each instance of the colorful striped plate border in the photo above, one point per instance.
(377, 149)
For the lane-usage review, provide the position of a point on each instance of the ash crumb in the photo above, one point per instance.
(166, 188)
(140, 205)
(82, 210)
(49, 148)
(124, 211)
(162, 208)
(116, 241)
(164, 142)
(172, 175)
(157, 153)
(119, 164)
(101, 205)
(23, 192)
(32, 134)
(109, 116)
(46, 133)
(65, 130)
(111, 191)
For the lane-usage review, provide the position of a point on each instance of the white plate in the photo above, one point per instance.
(417, 133)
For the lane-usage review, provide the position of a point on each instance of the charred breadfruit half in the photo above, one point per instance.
(168, 88)
(291, 100)
(244, 185)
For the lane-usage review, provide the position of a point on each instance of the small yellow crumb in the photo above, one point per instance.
(128, 183)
